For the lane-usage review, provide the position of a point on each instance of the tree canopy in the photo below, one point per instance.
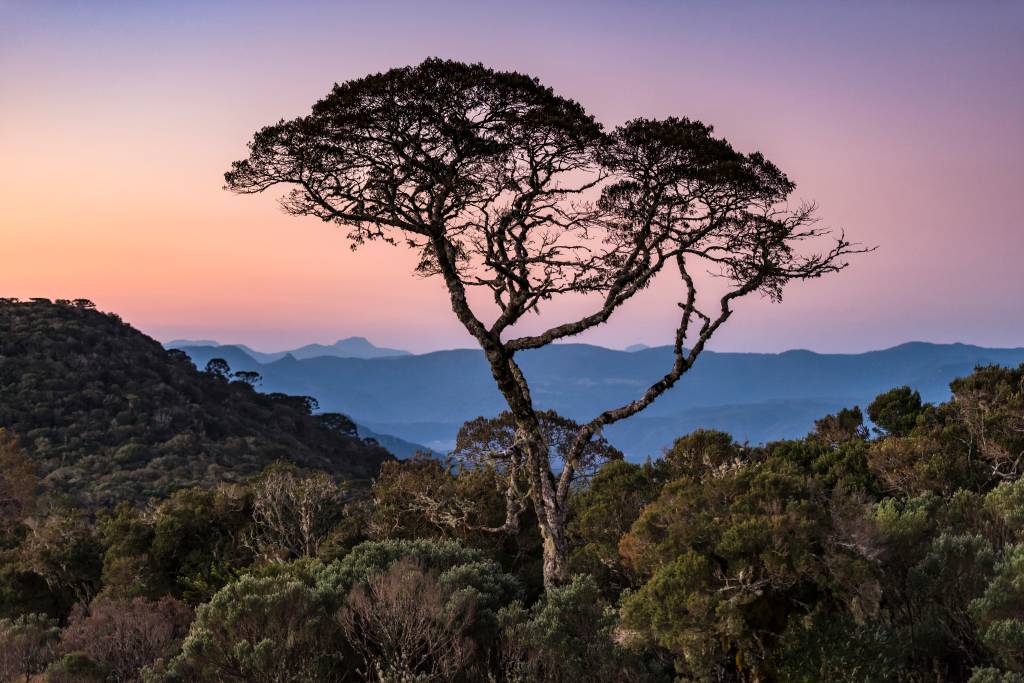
(500, 184)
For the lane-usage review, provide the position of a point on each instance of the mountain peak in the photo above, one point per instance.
(353, 340)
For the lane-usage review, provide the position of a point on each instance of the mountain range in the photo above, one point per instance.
(350, 347)
(757, 397)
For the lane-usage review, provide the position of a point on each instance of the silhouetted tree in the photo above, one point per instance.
(502, 185)
(249, 377)
(337, 422)
(218, 367)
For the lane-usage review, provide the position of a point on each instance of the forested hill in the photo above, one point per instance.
(110, 415)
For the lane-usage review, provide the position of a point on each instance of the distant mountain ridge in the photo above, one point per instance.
(757, 397)
(350, 347)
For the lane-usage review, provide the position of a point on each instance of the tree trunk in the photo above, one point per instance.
(552, 514)
(556, 555)
(550, 508)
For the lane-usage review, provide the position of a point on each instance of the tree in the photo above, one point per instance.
(18, 482)
(990, 402)
(123, 636)
(26, 645)
(501, 185)
(703, 452)
(489, 449)
(999, 611)
(603, 512)
(727, 561)
(845, 425)
(63, 549)
(75, 667)
(569, 635)
(196, 540)
(895, 411)
(250, 377)
(218, 367)
(408, 627)
(262, 629)
(293, 514)
(336, 422)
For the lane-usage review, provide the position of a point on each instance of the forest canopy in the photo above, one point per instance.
(889, 549)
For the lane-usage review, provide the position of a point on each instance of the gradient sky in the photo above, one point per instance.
(903, 120)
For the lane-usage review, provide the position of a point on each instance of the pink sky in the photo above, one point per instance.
(904, 121)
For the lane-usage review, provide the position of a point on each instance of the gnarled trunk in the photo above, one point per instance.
(551, 507)
(556, 555)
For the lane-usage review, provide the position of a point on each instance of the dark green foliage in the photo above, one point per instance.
(603, 512)
(895, 412)
(701, 453)
(466, 568)
(729, 559)
(847, 424)
(76, 667)
(426, 498)
(842, 465)
(1000, 610)
(990, 404)
(129, 569)
(284, 622)
(569, 635)
(63, 550)
(196, 534)
(262, 629)
(109, 415)
(826, 646)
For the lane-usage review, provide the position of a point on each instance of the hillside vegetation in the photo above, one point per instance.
(893, 552)
(109, 415)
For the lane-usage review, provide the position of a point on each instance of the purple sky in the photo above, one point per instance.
(903, 120)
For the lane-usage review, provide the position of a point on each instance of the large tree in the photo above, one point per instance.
(501, 185)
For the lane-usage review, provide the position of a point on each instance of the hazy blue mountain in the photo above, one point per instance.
(400, 448)
(350, 347)
(755, 396)
(636, 347)
(179, 343)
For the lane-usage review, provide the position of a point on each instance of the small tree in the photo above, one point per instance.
(219, 368)
(64, 551)
(123, 636)
(250, 377)
(569, 635)
(18, 481)
(26, 645)
(269, 629)
(293, 514)
(407, 627)
(895, 411)
(499, 184)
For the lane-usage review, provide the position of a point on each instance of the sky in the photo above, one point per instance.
(904, 121)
